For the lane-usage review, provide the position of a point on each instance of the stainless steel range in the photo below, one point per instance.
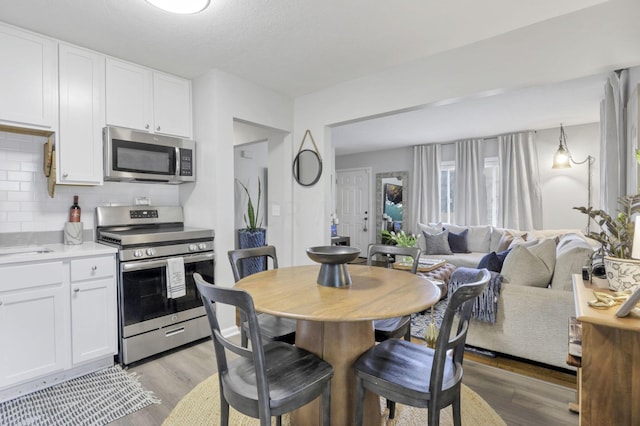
(159, 307)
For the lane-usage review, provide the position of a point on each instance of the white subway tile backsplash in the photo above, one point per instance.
(10, 206)
(19, 196)
(9, 186)
(19, 217)
(26, 205)
(20, 176)
(9, 165)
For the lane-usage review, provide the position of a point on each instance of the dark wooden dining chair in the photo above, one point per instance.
(398, 327)
(272, 327)
(268, 379)
(416, 375)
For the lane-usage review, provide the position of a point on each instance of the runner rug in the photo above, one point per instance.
(94, 399)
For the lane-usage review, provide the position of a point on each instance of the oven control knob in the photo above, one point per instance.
(193, 247)
(202, 246)
(137, 253)
(150, 252)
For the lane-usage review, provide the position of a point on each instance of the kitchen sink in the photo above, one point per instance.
(24, 251)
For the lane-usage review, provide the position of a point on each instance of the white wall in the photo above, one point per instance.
(25, 205)
(219, 98)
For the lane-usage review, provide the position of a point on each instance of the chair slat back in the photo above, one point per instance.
(212, 295)
(460, 304)
(384, 249)
(236, 256)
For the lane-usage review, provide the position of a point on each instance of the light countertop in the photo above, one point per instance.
(48, 252)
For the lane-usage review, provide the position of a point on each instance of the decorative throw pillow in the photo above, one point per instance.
(478, 238)
(431, 228)
(507, 238)
(531, 266)
(437, 244)
(458, 242)
(493, 261)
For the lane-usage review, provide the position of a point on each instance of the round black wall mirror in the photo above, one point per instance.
(307, 167)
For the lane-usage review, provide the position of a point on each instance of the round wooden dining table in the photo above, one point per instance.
(337, 323)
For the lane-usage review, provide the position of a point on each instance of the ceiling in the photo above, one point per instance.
(303, 46)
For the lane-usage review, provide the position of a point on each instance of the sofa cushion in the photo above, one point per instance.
(458, 242)
(437, 243)
(478, 238)
(532, 266)
(573, 252)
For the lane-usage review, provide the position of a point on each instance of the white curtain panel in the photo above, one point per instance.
(425, 188)
(470, 194)
(520, 204)
(613, 170)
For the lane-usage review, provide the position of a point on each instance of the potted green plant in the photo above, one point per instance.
(253, 234)
(616, 240)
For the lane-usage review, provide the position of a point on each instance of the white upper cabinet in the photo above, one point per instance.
(28, 79)
(79, 145)
(172, 105)
(129, 96)
(142, 99)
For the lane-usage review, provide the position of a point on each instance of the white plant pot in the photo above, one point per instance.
(622, 274)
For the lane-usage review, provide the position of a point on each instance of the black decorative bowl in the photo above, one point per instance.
(334, 259)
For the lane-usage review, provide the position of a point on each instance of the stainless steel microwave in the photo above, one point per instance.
(133, 156)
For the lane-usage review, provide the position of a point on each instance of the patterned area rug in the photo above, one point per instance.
(201, 406)
(420, 322)
(94, 399)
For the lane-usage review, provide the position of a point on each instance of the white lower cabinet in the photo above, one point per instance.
(93, 308)
(56, 317)
(34, 318)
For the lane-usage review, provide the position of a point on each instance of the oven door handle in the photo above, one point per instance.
(139, 265)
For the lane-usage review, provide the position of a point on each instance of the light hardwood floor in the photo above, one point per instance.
(536, 397)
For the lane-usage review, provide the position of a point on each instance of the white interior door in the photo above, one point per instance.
(353, 207)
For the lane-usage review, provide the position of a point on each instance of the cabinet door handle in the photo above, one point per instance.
(158, 128)
(146, 126)
(64, 175)
(94, 268)
(75, 290)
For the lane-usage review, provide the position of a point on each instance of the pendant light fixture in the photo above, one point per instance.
(562, 157)
(182, 7)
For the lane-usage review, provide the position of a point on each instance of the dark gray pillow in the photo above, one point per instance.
(458, 242)
(437, 243)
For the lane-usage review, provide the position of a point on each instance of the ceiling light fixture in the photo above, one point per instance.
(562, 159)
(182, 7)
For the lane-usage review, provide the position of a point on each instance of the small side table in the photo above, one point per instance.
(340, 241)
(609, 372)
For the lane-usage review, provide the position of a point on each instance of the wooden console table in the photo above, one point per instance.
(610, 382)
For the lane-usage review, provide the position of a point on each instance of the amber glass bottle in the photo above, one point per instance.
(74, 211)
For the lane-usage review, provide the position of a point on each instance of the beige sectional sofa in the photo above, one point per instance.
(536, 298)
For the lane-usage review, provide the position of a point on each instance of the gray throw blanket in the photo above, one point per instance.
(485, 307)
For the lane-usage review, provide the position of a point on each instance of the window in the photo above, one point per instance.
(492, 182)
(447, 184)
(447, 189)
